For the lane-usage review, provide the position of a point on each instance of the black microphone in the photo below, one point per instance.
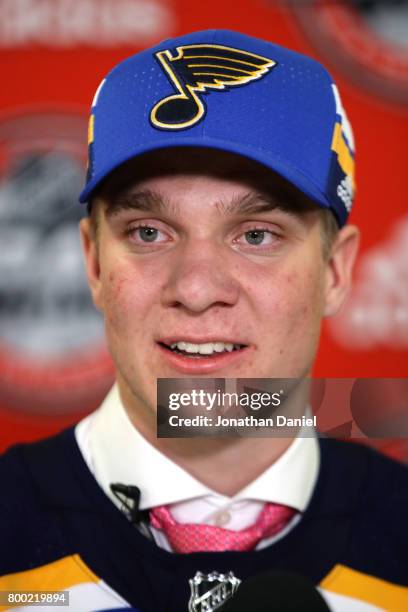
(124, 493)
(129, 497)
(276, 591)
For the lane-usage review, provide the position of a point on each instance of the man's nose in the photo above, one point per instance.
(202, 276)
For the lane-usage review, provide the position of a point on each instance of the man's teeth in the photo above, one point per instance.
(208, 348)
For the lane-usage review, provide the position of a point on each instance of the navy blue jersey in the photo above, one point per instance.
(60, 532)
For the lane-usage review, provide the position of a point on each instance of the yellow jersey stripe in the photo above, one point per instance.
(386, 595)
(55, 576)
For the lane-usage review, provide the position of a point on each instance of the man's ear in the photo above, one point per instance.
(91, 254)
(340, 268)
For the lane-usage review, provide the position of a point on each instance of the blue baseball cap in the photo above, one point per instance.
(228, 91)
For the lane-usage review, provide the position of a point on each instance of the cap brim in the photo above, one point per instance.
(266, 158)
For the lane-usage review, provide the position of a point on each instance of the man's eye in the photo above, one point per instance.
(147, 234)
(143, 234)
(259, 240)
(255, 236)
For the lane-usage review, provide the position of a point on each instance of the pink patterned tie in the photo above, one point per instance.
(191, 537)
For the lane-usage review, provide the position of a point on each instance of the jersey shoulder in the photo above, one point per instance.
(370, 491)
(28, 525)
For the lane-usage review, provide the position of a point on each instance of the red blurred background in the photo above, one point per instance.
(53, 55)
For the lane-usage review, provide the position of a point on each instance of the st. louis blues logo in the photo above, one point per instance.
(193, 70)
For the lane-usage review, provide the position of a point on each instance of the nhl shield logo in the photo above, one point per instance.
(209, 592)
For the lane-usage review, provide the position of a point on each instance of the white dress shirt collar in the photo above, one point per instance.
(116, 452)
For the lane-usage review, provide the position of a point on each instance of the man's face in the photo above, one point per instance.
(199, 273)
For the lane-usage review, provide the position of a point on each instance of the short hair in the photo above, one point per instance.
(329, 229)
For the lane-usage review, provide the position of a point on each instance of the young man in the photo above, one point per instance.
(221, 175)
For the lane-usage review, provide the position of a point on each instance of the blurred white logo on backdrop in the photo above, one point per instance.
(53, 357)
(65, 23)
(376, 314)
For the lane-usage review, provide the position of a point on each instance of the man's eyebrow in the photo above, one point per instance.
(250, 204)
(144, 201)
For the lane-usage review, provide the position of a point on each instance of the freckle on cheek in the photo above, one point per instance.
(117, 285)
(291, 278)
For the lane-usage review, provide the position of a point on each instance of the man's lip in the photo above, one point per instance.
(203, 364)
(168, 341)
